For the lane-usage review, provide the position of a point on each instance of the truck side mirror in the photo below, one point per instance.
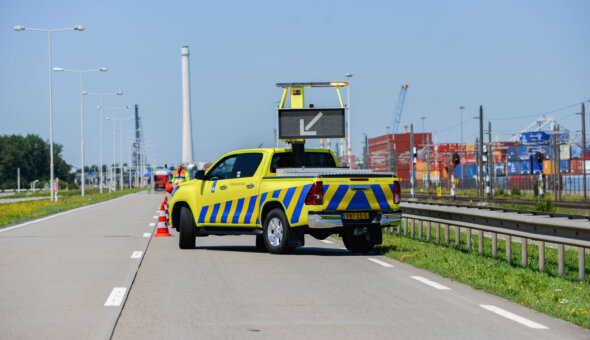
(200, 174)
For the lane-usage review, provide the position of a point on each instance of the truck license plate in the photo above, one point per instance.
(356, 216)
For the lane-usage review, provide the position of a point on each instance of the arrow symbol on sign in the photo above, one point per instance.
(304, 130)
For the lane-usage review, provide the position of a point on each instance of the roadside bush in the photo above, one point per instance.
(515, 192)
(544, 205)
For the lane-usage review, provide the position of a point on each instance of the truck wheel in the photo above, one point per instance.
(276, 232)
(187, 229)
(357, 244)
(260, 245)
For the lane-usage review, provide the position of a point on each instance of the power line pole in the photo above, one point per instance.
(428, 161)
(584, 148)
(412, 160)
(366, 153)
(490, 160)
(480, 147)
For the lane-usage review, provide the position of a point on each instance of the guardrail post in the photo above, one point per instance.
(406, 226)
(437, 233)
(428, 230)
(447, 237)
(413, 230)
(523, 252)
(581, 264)
(508, 248)
(480, 242)
(400, 226)
(468, 238)
(541, 256)
(457, 236)
(420, 225)
(494, 245)
(560, 260)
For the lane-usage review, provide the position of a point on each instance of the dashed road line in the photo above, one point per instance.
(327, 242)
(155, 216)
(147, 234)
(136, 254)
(116, 297)
(381, 263)
(153, 224)
(513, 317)
(430, 283)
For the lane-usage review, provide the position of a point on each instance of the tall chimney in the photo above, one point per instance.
(187, 136)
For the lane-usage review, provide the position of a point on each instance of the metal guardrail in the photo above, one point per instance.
(561, 230)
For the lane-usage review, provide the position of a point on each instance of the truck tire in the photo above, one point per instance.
(187, 239)
(260, 245)
(357, 244)
(276, 232)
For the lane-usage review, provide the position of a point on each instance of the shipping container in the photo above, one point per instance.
(500, 169)
(466, 171)
(575, 151)
(547, 167)
(564, 166)
(564, 152)
(512, 153)
(537, 168)
(525, 167)
(576, 166)
(513, 168)
(535, 137)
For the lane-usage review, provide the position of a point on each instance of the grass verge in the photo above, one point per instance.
(21, 211)
(559, 296)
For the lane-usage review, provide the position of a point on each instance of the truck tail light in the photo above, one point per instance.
(397, 192)
(315, 195)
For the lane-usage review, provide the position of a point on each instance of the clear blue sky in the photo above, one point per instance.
(517, 58)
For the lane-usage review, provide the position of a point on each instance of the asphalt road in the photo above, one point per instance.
(58, 274)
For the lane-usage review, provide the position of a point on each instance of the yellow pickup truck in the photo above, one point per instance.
(259, 192)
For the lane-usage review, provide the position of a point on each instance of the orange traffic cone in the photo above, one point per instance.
(165, 198)
(162, 230)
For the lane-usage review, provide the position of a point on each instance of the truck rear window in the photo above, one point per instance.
(312, 160)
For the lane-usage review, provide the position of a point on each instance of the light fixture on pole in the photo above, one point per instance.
(81, 72)
(19, 28)
(101, 95)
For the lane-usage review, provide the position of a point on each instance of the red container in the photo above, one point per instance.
(576, 166)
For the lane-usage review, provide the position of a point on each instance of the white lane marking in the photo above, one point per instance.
(153, 224)
(136, 254)
(326, 241)
(157, 211)
(155, 216)
(379, 262)
(513, 317)
(60, 214)
(147, 234)
(116, 297)
(430, 283)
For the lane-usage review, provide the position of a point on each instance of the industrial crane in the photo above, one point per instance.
(399, 107)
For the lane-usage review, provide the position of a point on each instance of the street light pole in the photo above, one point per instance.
(102, 94)
(81, 72)
(349, 153)
(49, 31)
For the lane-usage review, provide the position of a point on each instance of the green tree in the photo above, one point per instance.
(31, 155)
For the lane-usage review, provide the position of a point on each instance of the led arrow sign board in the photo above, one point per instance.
(311, 123)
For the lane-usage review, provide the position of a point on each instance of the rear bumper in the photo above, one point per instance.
(328, 220)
